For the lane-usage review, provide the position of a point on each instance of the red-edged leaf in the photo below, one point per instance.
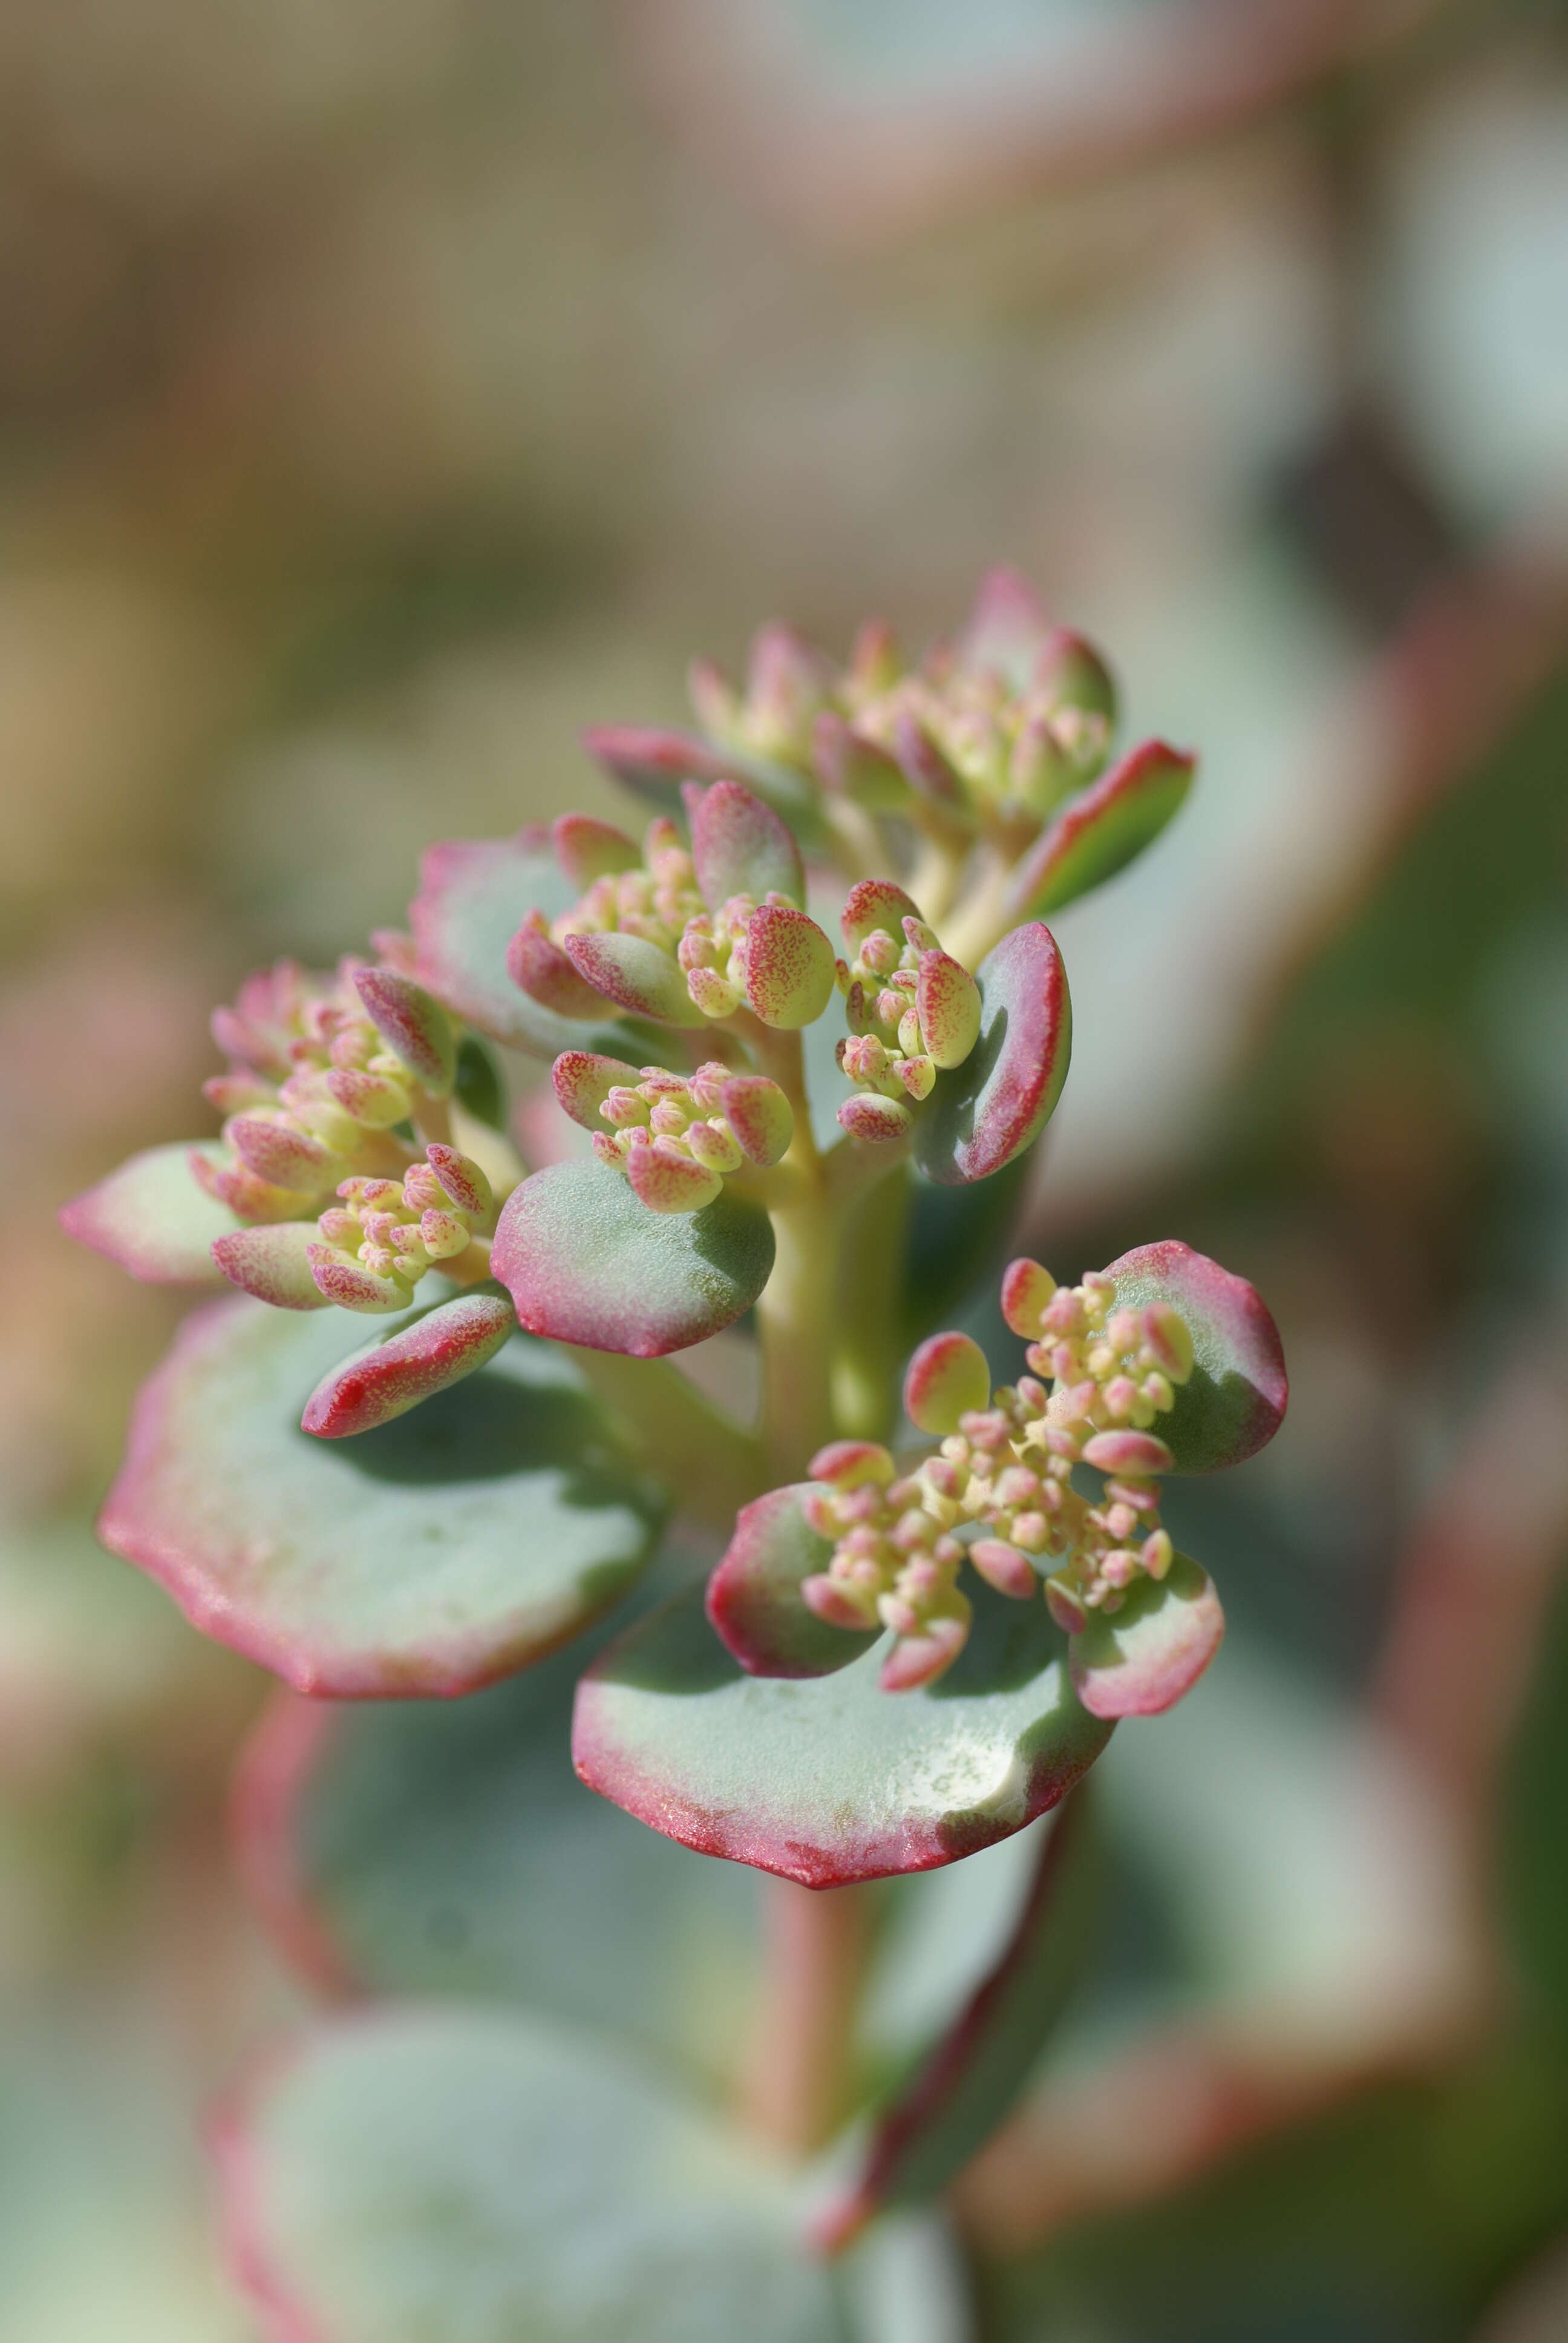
(635, 975)
(538, 966)
(414, 1027)
(586, 1261)
(872, 904)
(741, 846)
(1070, 673)
(754, 1594)
(388, 1378)
(869, 1116)
(988, 1110)
(666, 1180)
(1234, 1401)
(946, 1378)
(760, 1116)
(428, 1556)
(791, 967)
(151, 1217)
(588, 849)
(1099, 831)
(273, 1263)
(1140, 1660)
(927, 770)
(948, 1001)
(582, 1079)
(833, 1779)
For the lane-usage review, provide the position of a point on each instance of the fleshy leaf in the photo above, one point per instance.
(582, 1079)
(412, 2173)
(428, 1556)
(538, 966)
(1009, 628)
(588, 849)
(873, 903)
(635, 975)
(666, 1180)
(474, 895)
(980, 2065)
(584, 1261)
(741, 846)
(1139, 1660)
(949, 1002)
(1101, 829)
(151, 1217)
(983, 1113)
(654, 764)
(445, 1847)
(754, 1595)
(948, 1376)
(1234, 1401)
(834, 1780)
(791, 967)
(412, 1024)
(383, 1381)
(760, 1116)
(273, 1263)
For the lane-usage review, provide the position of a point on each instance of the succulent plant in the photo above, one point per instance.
(905, 1652)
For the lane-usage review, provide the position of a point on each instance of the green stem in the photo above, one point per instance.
(794, 1321)
(712, 1464)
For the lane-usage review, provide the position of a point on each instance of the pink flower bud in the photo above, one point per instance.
(1026, 1290)
(1136, 1453)
(1004, 1567)
(841, 1607)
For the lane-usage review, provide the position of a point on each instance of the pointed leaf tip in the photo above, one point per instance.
(1101, 829)
(442, 1346)
(635, 975)
(588, 849)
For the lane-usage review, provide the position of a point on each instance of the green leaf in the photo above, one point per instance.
(586, 1261)
(832, 1780)
(754, 1594)
(1234, 1401)
(1100, 830)
(446, 2177)
(1140, 1660)
(447, 1847)
(429, 1556)
(983, 1114)
(741, 847)
(151, 1217)
(478, 1090)
(473, 894)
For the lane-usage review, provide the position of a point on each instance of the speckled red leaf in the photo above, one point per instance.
(384, 1380)
(1101, 829)
(1140, 1660)
(741, 846)
(273, 1263)
(151, 1217)
(754, 1595)
(988, 1110)
(833, 1779)
(1235, 1399)
(790, 967)
(633, 974)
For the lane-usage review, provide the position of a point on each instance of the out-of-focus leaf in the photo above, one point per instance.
(983, 1113)
(957, 1239)
(429, 1556)
(473, 894)
(834, 1779)
(654, 763)
(754, 1595)
(1100, 830)
(1534, 1878)
(151, 1217)
(1140, 1660)
(416, 2174)
(478, 1090)
(1234, 1401)
(586, 1261)
(741, 847)
(423, 1847)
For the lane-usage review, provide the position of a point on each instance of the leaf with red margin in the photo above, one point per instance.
(986, 1111)
(586, 1261)
(152, 1217)
(1100, 830)
(741, 846)
(408, 2174)
(428, 1556)
(273, 1263)
(977, 2069)
(635, 975)
(653, 764)
(1139, 1660)
(1235, 1399)
(439, 1348)
(474, 895)
(754, 1600)
(834, 1780)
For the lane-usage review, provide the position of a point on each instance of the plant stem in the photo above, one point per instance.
(817, 1937)
(795, 1319)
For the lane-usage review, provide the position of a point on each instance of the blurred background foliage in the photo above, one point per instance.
(387, 391)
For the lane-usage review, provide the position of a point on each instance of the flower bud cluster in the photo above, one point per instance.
(1015, 753)
(316, 1085)
(382, 1236)
(653, 900)
(910, 1008)
(669, 1133)
(714, 952)
(1006, 1469)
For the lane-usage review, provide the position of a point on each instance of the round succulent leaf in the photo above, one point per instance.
(272, 1262)
(869, 1116)
(635, 975)
(791, 968)
(833, 1779)
(437, 1349)
(873, 903)
(949, 1002)
(410, 2174)
(1234, 1401)
(447, 1847)
(754, 1600)
(583, 1079)
(1140, 1660)
(474, 895)
(984, 1113)
(1100, 829)
(151, 1217)
(741, 847)
(586, 1261)
(429, 1556)
(760, 1116)
(949, 1377)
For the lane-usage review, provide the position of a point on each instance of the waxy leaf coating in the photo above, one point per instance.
(1140, 1660)
(1234, 1401)
(754, 1600)
(834, 1780)
(474, 895)
(426, 1556)
(383, 1381)
(1101, 829)
(273, 1263)
(586, 1261)
(151, 1217)
(983, 1113)
(412, 2174)
(635, 975)
(741, 846)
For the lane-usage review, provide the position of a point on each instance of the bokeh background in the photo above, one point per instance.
(388, 390)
